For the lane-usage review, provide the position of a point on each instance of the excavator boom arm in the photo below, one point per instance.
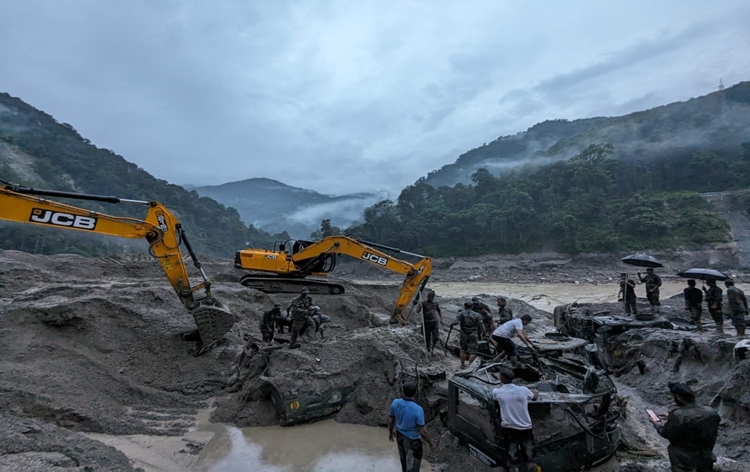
(356, 249)
(416, 274)
(160, 228)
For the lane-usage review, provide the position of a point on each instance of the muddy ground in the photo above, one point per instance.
(97, 346)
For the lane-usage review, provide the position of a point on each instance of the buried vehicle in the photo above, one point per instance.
(576, 421)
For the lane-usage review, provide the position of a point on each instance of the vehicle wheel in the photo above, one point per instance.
(336, 290)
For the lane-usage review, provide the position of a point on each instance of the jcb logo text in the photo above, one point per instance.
(58, 218)
(374, 258)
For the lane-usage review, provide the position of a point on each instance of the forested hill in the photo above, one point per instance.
(717, 122)
(38, 151)
(590, 203)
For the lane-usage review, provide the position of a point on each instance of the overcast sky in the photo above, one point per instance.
(345, 96)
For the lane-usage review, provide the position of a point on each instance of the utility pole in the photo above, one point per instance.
(723, 101)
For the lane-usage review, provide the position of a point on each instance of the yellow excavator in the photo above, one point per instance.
(292, 261)
(160, 228)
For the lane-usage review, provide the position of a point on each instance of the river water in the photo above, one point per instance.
(542, 296)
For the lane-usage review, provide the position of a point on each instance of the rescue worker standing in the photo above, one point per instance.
(268, 321)
(691, 431)
(737, 307)
(407, 417)
(653, 282)
(693, 303)
(300, 308)
(714, 302)
(430, 314)
(484, 311)
(627, 290)
(504, 311)
(515, 421)
(470, 324)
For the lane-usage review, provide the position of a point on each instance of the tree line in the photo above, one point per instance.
(591, 202)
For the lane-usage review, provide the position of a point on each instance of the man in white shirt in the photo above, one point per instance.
(503, 337)
(515, 421)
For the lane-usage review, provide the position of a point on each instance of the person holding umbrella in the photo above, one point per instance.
(713, 300)
(737, 306)
(653, 282)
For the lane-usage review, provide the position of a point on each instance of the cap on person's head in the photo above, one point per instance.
(410, 389)
(501, 299)
(474, 299)
(623, 274)
(467, 305)
(430, 294)
(682, 390)
(305, 290)
(691, 282)
(277, 305)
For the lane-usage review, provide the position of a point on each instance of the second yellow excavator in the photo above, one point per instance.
(160, 228)
(289, 264)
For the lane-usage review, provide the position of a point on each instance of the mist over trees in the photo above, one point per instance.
(591, 202)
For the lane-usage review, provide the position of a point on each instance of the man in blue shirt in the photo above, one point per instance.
(408, 418)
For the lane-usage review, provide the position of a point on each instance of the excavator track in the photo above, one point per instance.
(213, 320)
(273, 284)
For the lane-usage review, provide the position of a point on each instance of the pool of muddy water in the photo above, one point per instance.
(324, 446)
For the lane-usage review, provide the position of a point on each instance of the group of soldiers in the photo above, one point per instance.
(714, 300)
(694, 298)
(476, 323)
(302, 318)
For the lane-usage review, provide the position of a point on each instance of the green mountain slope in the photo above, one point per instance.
(716, 122)
(38, 151)
(602, 184)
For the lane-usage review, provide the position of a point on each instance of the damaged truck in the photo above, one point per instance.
(576, 418)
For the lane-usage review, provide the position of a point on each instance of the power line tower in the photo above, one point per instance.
(723, 101)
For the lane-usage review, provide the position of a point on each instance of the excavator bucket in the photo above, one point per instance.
(213, 320)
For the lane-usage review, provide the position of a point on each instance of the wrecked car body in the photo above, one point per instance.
(572, 429)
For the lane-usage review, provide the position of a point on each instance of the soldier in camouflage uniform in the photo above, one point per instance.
(268, 321)
(693, 303)
(484, 311)
(737, 307)
(504, 311)
(300, 309)
(470, 324)
(714, 300)
(653, 282)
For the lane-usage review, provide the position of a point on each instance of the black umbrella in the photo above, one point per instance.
(703, 274)
(641, 260)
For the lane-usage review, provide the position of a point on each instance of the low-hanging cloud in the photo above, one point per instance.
(344, 97)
